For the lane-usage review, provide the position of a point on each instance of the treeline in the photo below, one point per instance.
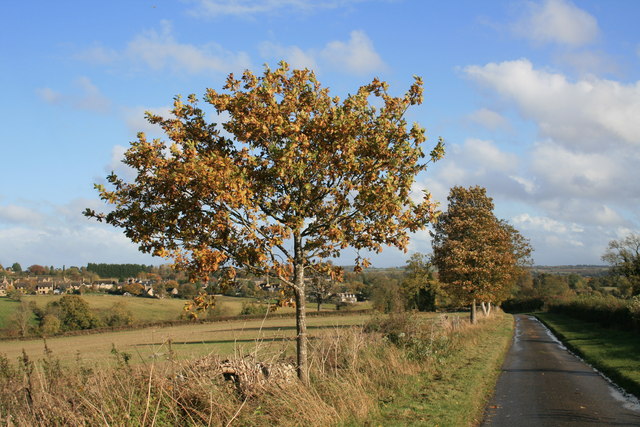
(121, 271)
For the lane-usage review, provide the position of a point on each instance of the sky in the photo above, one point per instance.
(538, 102)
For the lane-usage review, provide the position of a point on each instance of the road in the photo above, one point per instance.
(542, 384)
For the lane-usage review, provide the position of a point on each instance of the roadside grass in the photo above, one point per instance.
(459, 381)
(184, 341)
(615, 353)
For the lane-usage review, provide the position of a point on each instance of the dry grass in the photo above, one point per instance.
(353, 370)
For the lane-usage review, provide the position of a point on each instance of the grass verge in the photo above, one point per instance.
(456, 386)
(614, 353)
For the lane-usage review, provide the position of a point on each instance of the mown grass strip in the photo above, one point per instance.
(615, 353)
(455, 389)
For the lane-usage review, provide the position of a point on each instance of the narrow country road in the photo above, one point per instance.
(542, 384)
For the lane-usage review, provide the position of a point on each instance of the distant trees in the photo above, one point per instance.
(419, 286)
(478, 257)
(16, 267)
(624, 257)
(304, 176)
(120, 271)
(38, 270)
(320, 289)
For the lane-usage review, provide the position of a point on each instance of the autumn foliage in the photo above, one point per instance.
(294, 176)
(478, 256)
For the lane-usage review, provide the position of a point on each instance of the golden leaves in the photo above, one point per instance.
(300, 163)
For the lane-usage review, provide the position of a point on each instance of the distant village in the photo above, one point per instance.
(154, 283)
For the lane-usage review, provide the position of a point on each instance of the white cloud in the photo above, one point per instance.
(91, 98)
(557, 21)
(13, 214)
(527, 221)
(61, 235)
(215, 8)
(489, 119)
(98, 55)
(87, 97)
(136, 122)
(590, 63)
(49, 95)
(159, 50)
(356, 55)
(587, 113)
(293, 55)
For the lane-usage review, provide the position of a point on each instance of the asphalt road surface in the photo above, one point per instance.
(542, 384)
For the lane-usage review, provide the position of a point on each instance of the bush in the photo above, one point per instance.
(50, 325)
(118, 315)
(251, 308)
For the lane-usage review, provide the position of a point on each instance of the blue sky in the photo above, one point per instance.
(538, 101)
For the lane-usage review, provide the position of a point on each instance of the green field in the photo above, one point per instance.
(615, 353)
(7, 308)
(187, 341)
(146, 310)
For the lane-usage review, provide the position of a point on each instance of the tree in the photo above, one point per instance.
(419, 284)
(321, 288)
(16, 267)
(74, 313)
(303, 177)
(479, 257)
(624, 258)
(36, 269)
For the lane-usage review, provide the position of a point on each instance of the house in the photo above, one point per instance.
(44, 288)
(347, 297)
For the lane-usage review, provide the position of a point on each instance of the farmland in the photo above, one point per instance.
(187, 341)
(144, 310)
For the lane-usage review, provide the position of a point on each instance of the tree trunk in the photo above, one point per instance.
(319, 303)
(472, 319)
(301, 321)
(488, 308)
(484, 309)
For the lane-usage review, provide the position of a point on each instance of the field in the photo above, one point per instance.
(187, 341)
(144, 310)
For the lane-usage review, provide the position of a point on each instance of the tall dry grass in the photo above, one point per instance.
(352, 371)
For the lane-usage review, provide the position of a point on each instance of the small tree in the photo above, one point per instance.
(624, 257)
(74, 313)
(16, 267)
(478, 257)
(304, 176)
(321, 289)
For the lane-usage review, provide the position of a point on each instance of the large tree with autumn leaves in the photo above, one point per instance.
(478, 256)
(296, 177)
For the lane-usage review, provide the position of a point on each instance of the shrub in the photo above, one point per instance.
(251, 308)
(119, 315)
(50, 325)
